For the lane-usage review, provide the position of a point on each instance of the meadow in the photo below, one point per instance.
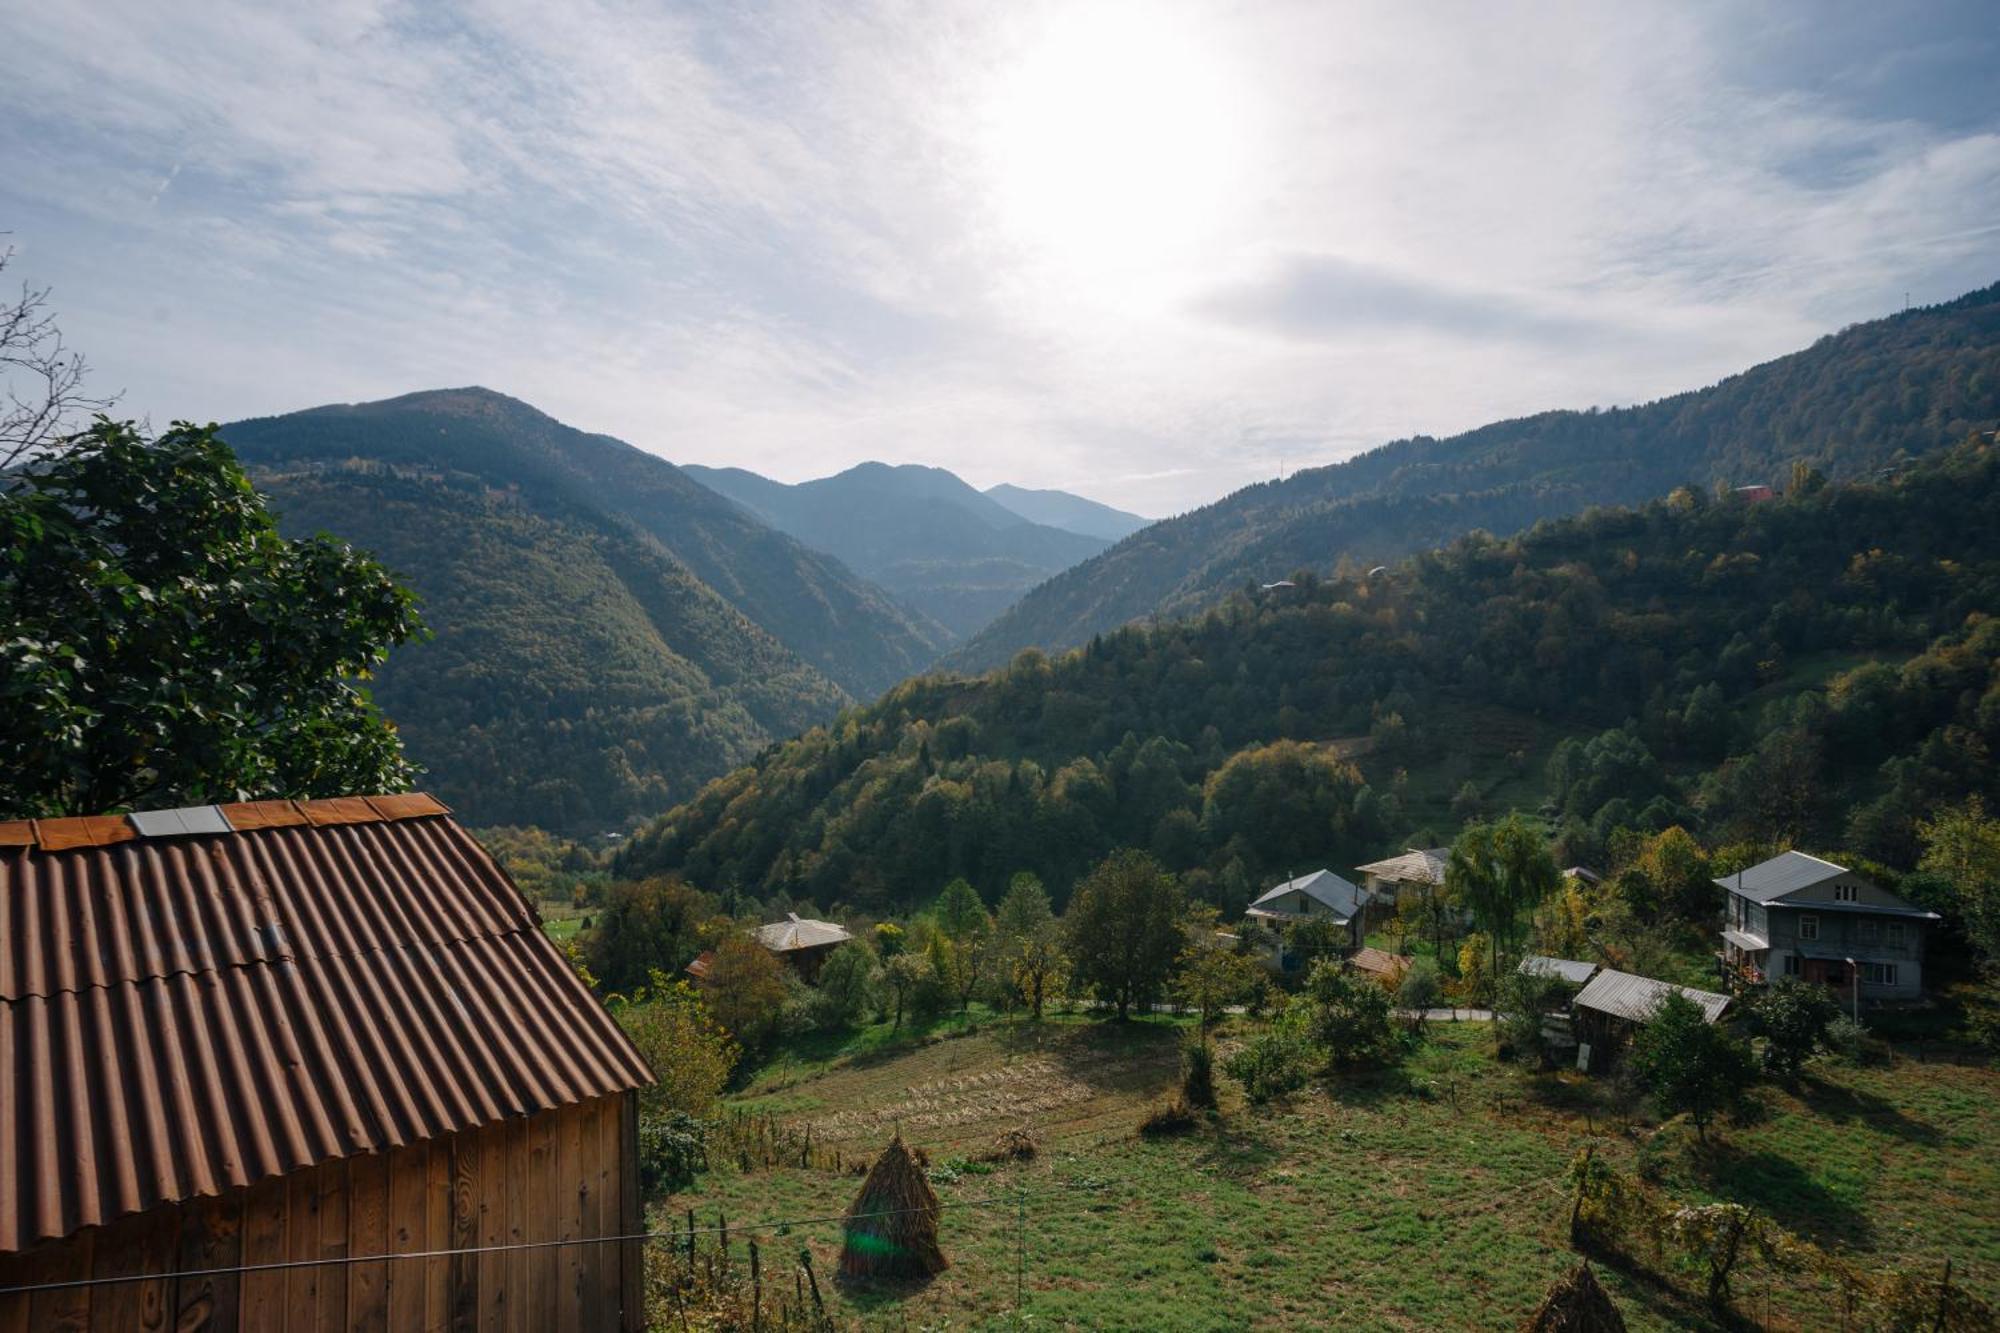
(1429, 1195)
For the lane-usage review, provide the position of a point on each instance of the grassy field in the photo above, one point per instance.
(1424, 1197)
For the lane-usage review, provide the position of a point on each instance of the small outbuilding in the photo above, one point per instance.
(303, 1064)
(1385, 967)
(1614, 1004)
(1571, 972)
(801, 943)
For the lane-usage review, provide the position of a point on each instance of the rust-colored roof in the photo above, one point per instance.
(183, 1015)
(1379, 961)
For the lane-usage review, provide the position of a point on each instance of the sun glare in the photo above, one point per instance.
(1114, 142)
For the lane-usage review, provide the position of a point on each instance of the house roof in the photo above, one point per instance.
(1787, 872)
(1339, 896)
(1623, 995)
(182, 1013)
(1416, 866)
(796, 932)
(1379, 961)
(1563, 969)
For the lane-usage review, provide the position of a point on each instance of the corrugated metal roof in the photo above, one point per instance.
(796, 932)
(179, 1016)
(1323, 886)
(1416, 866)
(1784, 873)
(1623, 995)
(1564, 969)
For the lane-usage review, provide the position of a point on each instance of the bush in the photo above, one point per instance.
(1198, 1074)
(1346, 1015)
(1522, 1001)
(1794, 1017)
(1690, 1065)
(1272, 1063)
(689, 1053)
(1175, 1117)
(847, 983)
(673, 1147)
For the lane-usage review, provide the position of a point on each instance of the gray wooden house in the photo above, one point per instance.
(1799, 916)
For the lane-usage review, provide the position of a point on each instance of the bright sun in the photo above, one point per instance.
(1114, 142)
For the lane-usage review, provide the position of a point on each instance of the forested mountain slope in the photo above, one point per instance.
(1820, 668)
(1060, 509)
(842, 625)
(1853, 402)
(946, 549)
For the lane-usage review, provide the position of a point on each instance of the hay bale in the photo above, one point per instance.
(1013, 1145)
(892, 1227)
(1576, 1304)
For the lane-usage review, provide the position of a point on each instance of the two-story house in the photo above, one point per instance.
(1798, 916)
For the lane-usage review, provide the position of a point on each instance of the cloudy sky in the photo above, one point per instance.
(1146, 250)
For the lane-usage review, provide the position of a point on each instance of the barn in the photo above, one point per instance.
(287, 1065)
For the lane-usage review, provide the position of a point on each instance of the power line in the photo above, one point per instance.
(403, 1256)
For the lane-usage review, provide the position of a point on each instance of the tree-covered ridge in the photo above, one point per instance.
(578, 677)
(1680, 645)
(849, 630)
(1864, 398)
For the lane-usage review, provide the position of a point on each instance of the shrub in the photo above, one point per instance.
(1688, 1064)
(1520, 1005)
(1346, 1015)
(1174, 1117)
(1794, 1017)
(673, 1147)
(1272, 1063)
(689, 1053)
(1198, 1074)
(847, 982)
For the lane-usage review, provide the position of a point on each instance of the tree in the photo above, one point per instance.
(1475, 968)
(1347, 1015)
(41, 379)
(959, 948)
(1123, 929)
(1211, 976)
(689, 1053)
(1030, 940)
(647, 926)
(1962, 846)
(1521, 1002)
(1420, 990)
(1689, 1064)
(165, 646)
(846, 984)
(902, 976)
(745, 990)
(1501, 871)
(1794, 1016)
(1677, 868)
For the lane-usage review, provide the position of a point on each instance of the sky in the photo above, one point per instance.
(1146, 251)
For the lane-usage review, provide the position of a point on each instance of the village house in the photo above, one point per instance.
(251, 1053)
(1613, 1004)
(1799, 916)
(802, 943)
(1416, 872)
(1321, 895)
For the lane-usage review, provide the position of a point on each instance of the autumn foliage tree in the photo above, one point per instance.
(1124, 930)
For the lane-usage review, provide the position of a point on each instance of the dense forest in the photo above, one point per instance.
(1819, 669)
(1859, 400)
(950, 551)
(605, 633)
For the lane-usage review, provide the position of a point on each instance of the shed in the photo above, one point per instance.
(801, 942)
(1613, 1003)
(251, 1053)
(1569, 971)
(1385, 967)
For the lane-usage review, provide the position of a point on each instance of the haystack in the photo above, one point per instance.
(1013, 1145)
(1576, 1304)
(891, 1230)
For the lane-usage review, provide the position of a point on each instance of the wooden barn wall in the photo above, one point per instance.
(559, 1175)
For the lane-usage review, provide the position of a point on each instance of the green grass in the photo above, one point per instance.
(1427, 1196)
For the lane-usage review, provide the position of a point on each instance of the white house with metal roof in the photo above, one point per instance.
(1800, 916)
(1321, 895)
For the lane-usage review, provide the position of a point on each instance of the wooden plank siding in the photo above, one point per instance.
(567, 1173)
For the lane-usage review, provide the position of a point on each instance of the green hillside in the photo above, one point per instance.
(847, 628)
(1853, 402)
(1818, 668)
(954, 553)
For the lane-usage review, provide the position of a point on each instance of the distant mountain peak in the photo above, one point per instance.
(1073, 513)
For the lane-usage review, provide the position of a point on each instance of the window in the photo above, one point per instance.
(1846, 893)
(1791, 964)
(1870, 932)
(1879, 974)
(1808, 926)
(1895, 935)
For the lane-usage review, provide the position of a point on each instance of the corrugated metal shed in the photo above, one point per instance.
(1784, 873)
(1417, 866)
(1634, 998)
(797, 932)
(184, 1015)
(1563, 969)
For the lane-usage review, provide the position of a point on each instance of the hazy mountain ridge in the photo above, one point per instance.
(1061, 509)
(1854, 401)
(943, 547)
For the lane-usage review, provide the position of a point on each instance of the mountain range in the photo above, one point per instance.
(607, 632)
(1855, 401)
(958, 555)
